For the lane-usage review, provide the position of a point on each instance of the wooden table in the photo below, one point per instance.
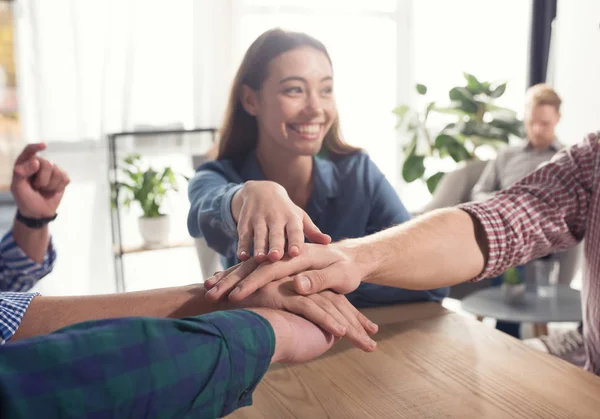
(430, 363)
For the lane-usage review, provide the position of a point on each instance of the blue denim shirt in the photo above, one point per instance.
(351, 198)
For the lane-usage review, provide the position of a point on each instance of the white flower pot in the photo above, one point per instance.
(154, 230)
(513, 293)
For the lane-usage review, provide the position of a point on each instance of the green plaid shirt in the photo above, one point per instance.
(202, 367)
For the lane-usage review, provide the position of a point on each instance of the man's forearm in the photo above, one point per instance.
(442, 248)
(33, 241)
(47, 314)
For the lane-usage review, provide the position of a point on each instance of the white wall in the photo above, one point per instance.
(576, 67)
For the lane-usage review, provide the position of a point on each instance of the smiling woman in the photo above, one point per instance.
(284, 172)
(285, 83)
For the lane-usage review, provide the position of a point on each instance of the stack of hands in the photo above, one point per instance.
(305, 279)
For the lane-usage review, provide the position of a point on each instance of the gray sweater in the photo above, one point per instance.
(511, 164)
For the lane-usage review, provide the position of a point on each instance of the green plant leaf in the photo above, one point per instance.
(132, 159)
(421, 89)
(460, 94)
(413, 167)
(508, 126)
(428, 109)
(453, 147)
(497, 91)
(486, 87)
(473, 85)
(453, 109)
(401, 110)
(490, 107)
(463, 99)
(433, 181)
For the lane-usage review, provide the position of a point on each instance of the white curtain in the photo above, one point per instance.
(89, 67)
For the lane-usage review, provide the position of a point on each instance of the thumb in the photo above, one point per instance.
(27, 168)
(332, 277)
(313, 233)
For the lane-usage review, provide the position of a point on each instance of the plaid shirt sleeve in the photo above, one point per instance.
(202, 367)
(544, 212)
(18, 273)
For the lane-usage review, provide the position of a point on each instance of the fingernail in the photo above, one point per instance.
(260, 254)
(216, 273)
(304, 283)
(341, 329)
(243, 253)
(273, 251)
(294, 249)
(235, 291)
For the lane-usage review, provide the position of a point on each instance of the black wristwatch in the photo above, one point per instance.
(34, 222)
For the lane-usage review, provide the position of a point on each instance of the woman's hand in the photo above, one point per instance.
(327, 309)
(338, 266)
(266, 217)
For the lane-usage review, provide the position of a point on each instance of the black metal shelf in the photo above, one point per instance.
(119, 250)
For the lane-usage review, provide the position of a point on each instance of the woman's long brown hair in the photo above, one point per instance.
(239, 133)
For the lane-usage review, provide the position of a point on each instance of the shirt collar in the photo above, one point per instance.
(324, 172)
(555, 145)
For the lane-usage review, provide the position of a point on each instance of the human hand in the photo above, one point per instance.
(296, 339)
(265, 217)
(337, 266)
(37, 184)
(328, 310)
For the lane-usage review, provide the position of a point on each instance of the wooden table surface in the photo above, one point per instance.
(430, 363)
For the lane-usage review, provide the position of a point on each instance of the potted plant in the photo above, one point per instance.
(476, 122)
(513, 286)
(148, 187)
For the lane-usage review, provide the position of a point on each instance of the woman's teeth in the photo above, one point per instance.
(307, 129)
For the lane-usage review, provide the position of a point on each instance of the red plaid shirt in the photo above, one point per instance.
(550, 210)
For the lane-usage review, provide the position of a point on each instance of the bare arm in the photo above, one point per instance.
(442, 248)
(47, 314)
(547, 211)
(33, 241)
(328, 310)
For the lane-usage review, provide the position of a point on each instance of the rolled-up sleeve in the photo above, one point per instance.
(18, 272)
(545, 212)
(13, 306)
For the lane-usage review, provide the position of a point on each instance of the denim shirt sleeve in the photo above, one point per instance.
(386, 208)
(210, 194)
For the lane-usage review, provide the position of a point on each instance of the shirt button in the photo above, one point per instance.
(244, 394)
